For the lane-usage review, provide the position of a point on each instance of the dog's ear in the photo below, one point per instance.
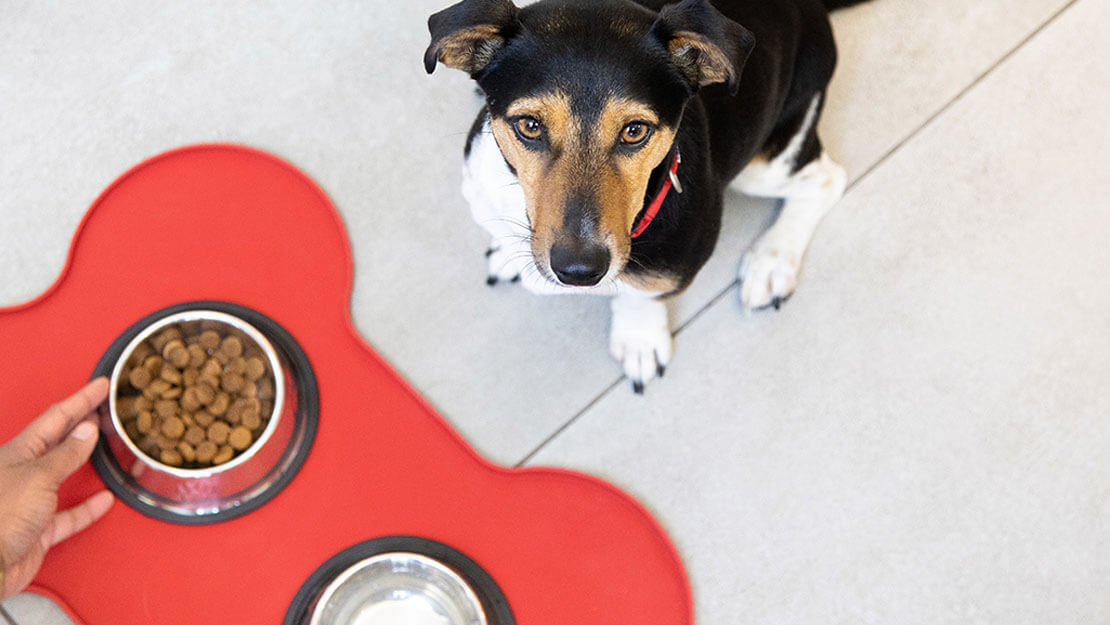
(707, 47)
(467, 35)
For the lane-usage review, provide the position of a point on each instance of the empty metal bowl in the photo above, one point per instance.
(204, 492)
(395, 588)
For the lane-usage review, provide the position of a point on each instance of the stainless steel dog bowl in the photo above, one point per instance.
(395, 589)
(209, 494)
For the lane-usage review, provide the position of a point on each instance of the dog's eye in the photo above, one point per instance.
(529, 128)
(635, 133)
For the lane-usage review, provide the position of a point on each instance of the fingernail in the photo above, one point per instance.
(84, 431)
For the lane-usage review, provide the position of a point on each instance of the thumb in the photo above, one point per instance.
(68, 456)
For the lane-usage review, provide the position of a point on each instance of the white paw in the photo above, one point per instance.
(506, 263)
(768, 274)
(640, 339)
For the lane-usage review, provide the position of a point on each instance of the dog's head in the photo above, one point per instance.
(585, 99)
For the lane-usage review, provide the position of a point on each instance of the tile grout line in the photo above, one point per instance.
(878, 162)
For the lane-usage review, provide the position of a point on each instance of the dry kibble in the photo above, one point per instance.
(195, 435)
(225, 454)
(196, 394)
(153, 364)
(190, 401)
(166, 408)
(252, 421)
(256, 368)
(206, 451)
(171, 375)
(231, 382)
(197, 356)
(240, 438)
(209, 340)
(204, 418)
(232, 346)
(144, 422)
(218, 432)
(139, 377)
(173, 427)
(188, 454)
(219, 405)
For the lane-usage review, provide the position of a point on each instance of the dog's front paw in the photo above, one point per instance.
(505, 264)
(768, 274)
(640, 339)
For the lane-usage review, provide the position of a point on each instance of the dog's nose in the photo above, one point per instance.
(580, 265)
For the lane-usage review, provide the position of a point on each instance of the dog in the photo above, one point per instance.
(611, 129)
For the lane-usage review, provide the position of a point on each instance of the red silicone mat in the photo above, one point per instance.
(219, 222)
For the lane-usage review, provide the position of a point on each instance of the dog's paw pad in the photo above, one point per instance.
(768, 276)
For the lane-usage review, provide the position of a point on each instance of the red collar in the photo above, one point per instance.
(657, 203)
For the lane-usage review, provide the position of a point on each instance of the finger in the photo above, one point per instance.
(44, 432)
(68, 456)
(68, 522)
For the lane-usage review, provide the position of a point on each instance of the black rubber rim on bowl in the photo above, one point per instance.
(308, 409)
(493, 601)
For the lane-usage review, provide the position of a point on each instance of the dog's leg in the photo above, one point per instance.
(497, 205)
(809, 183)
(640, 337)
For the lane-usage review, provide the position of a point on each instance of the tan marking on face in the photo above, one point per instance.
(577, 164)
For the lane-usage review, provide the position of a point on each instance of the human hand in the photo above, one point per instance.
(32, 467)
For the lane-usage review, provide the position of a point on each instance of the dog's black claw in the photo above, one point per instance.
(638, 387)
(492, 280)
(777, 303)
(661, 371)
(516, 279)
(490, 252)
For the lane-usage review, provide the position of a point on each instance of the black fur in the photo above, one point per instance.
(781, 52)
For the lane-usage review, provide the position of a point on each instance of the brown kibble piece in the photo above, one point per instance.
(256, 368)
(240, 438)
(166, 443)
(238, 365)
(211, 369)
(232, 346)
(153, 364)
(204, 418)
(206, 393)
(171, 375)
(209, 340)
(252, 421)
(206, 451)
(173, 428)
(172, 458)
(219, 405)
(197, 356)
(173, 392)
(144, 422)
(218, 432)
(226, 453)
(141, 353)
(190, 376)
(231, 382)
(190, 401)
(266, 389)
(195, 435)
(132, 431)
(142, 403)
(157, 387)
(125, 406)
(170, 347)
(178, 355)
(139, 377)
(166, 408)
(187, 452)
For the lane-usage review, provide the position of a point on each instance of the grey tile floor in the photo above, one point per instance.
(917, 438)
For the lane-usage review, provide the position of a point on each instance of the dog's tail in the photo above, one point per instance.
(833, 5)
